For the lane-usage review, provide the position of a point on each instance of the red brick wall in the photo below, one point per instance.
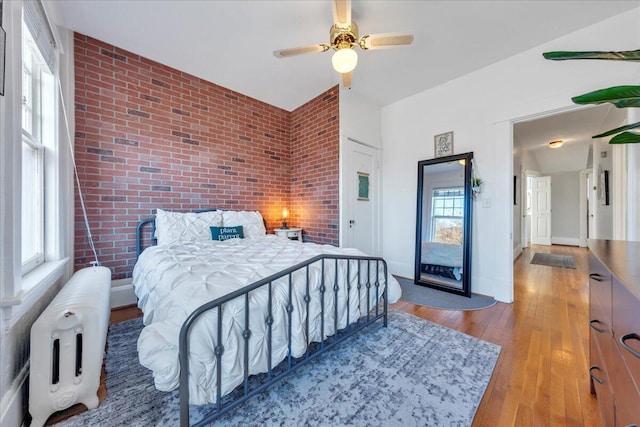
(315, 168)
(149, 136)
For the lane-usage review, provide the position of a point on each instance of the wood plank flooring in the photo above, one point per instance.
(541, 378)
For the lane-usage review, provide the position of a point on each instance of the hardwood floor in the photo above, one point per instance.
(541, 378)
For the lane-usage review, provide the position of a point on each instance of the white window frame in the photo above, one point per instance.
(18, 292)
(435, 217)
(41, 129)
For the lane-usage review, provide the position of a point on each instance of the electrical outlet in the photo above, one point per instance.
(486, 202)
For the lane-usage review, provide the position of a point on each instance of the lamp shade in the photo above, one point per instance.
(344, 60)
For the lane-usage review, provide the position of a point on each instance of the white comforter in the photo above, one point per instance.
(171, 281)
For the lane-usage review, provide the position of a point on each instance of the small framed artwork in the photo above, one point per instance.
(443, 144)
(603, 188)
(3, 49)
(363, 186)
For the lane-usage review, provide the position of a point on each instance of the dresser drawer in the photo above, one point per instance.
(599, 293)
(626, 328)
(627, 396)
(600, 383)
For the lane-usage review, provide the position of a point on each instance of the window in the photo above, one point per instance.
(38, 138)
(447, 208)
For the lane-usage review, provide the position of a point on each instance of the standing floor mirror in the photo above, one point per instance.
(443, 224)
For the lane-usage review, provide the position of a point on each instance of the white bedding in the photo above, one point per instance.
(171, 281)
(444, 254)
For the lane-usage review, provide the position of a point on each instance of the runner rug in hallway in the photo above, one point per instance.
(553, 260)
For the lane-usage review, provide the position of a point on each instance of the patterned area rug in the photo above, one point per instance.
(552, 260)
(434, 298)
(412, 373)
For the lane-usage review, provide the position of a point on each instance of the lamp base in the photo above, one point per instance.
(284, 225)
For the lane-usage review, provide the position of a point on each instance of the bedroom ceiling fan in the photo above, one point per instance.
(343, 38)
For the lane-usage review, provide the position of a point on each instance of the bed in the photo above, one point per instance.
(442, 259)
(217, 312)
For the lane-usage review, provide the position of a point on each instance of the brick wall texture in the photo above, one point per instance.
(149, 136)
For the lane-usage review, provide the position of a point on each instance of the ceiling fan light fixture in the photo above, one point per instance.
(556, 144)
(344, 60)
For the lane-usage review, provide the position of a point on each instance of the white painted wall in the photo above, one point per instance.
(565, 208)
(360, 121)
(517, 208)
(632, 167)
(480, 108)
(360, 118)
(603, 213)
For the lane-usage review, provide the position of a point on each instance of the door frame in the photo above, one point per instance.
(526, 231)
(585, 198)
(346, 203)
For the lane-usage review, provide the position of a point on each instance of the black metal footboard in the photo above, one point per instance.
(371, 279)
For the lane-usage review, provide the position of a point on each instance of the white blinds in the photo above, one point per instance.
(40, 29)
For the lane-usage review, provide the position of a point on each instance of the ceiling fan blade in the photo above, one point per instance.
(346, 79)
(382, 41)
(341, 13)
(285, 53)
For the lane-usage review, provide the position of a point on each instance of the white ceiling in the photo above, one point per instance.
(575, 128)
(230, 43)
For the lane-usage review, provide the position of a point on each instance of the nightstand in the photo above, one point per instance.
(291, 233)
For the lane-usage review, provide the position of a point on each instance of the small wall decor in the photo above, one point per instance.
(603, 188)
(443, 144)
(3, 50)
(363, 186)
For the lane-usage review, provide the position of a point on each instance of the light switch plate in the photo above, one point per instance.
(486, 202)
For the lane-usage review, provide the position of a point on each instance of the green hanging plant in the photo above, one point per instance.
(620, 96)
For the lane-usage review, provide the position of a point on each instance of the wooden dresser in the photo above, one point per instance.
(614, 314)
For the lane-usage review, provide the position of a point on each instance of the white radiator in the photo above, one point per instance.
(67, 345)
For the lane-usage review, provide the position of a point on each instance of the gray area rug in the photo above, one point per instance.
(412, 373)
(553, 260)
(434, 298)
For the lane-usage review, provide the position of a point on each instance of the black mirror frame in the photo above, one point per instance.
(468, 221)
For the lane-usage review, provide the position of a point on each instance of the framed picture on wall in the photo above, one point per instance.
(363, 186)
(443, 144)
(603, 188)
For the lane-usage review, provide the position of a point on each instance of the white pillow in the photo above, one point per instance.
(177, 227)
(251, 222)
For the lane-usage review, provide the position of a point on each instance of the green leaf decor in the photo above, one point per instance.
(625, 138)
(618, 130)
(620, 96)
(627, 55)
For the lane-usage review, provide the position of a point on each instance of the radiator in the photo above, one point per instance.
(67, 345)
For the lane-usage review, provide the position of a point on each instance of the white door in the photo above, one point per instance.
(361, 205)
(541, 210)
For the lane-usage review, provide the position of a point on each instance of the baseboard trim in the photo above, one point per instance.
(122, 293)
(517, 251)
(567, 241)
(11, 404)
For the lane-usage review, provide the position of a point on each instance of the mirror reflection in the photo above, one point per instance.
(444, 223)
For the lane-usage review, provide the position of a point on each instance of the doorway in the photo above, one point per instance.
(361, 197)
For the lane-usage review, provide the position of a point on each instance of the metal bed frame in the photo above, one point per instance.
(377, 310)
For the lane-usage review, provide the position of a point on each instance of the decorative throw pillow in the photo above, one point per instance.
(177, 227)
(226, 233)
(251, 221)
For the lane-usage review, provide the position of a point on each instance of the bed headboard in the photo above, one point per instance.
(148, 225)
